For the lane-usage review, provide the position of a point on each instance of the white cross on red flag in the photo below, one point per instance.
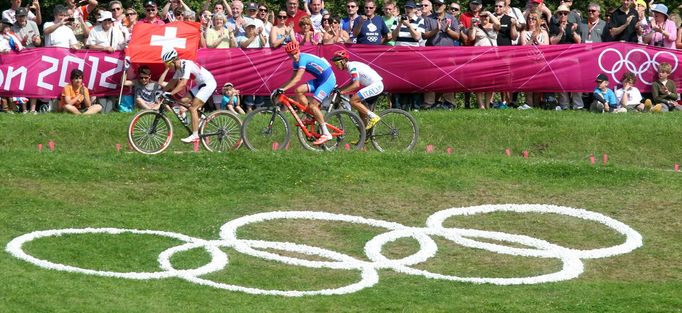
(149, 40)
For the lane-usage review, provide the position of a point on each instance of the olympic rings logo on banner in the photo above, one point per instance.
(650, 63)
(572, 264)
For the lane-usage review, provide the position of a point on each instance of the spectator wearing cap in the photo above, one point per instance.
(59, 33)
(623, 23)
(294, 14)
(230, 99)
(369, 29)
(593, 28)
(348, 22)
(15, 5)
(604, 98)
(26, 30)
(116, 9)
(168, 11)
(152, 14)
(251, 17)
(410, 27)
(663, 31)
(252, 39)
(218, 36)
(316, 7)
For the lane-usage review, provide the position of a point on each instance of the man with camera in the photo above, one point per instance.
(410, 27)
(15, 5)
(59, 33)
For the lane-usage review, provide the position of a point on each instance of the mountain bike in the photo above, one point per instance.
(151, 132)
(268, 128)
(396, 131)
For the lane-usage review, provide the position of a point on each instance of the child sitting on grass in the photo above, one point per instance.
(604, 98)
(231, 99)
(75, 97)
(664, 91)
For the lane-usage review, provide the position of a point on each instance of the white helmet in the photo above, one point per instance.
(169, 55)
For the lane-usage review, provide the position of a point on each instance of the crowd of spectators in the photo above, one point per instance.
(108, 27)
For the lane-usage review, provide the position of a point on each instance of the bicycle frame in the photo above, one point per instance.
(292, 105)
(167, 104)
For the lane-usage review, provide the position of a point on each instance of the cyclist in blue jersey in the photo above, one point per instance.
(320, 87)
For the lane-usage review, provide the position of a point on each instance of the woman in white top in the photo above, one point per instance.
(533, 35)
(484, 34)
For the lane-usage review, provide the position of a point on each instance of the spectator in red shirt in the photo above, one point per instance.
(294, 15)
(152, 16)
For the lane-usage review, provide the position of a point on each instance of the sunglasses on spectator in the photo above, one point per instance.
(351, 6)
(499, 6)
(263, 9)
(454, 9)
(592, 11)
(562, 13)
(281, 16)
(116, 9)
(131, 13)
(144, 77)
(151, 10)
(369, 8)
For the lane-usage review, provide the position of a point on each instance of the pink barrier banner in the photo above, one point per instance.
(43, 72)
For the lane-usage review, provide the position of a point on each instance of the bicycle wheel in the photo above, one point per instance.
(263, 127)
(221, 131)
(397, 131)
(347, 128)
(150, 132)
(313, 128)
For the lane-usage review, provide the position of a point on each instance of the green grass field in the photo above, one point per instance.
(86, 183)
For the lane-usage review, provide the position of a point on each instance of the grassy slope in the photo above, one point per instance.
(86, 184)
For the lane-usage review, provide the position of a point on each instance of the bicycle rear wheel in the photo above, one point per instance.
(347, 128)
(397, 131)
(221, 131)
(150, 132)
(263, 127)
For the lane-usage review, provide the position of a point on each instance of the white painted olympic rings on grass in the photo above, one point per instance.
(649, 64)
(571, 259)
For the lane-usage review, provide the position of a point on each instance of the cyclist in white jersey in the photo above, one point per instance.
(204, 85)
(361, 75)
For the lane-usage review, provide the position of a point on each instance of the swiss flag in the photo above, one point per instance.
(149, 40)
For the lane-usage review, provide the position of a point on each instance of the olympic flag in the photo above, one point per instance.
(42, 72)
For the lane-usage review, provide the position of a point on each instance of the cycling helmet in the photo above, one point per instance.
(340, 55)
(291, 47)
(169, 55)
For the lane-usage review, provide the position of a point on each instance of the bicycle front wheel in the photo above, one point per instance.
(397, 131)
(347, 129)
(221, 131)
(264, 129)
(150, 132)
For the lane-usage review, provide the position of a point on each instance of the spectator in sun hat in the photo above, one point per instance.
(663, 31)
(152, 14)
(230, 99)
